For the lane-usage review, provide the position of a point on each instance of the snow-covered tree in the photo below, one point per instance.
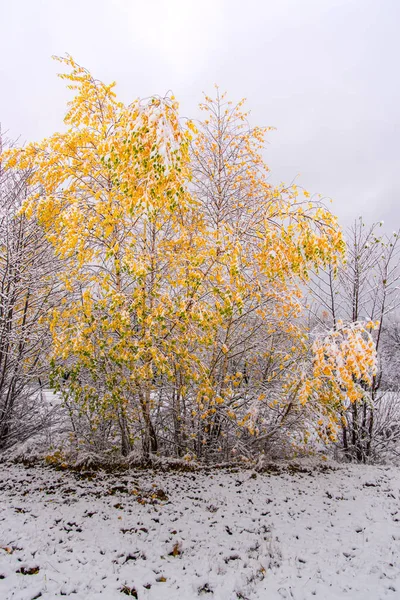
(365, 288)
(27, 292)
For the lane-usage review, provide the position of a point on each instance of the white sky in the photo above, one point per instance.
(325, 73)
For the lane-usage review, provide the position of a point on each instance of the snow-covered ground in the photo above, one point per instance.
(227, 534)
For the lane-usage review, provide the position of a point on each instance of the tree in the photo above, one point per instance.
(262, 241)
(115, 208)
(28, 291)
(184, 275)
(366, 289)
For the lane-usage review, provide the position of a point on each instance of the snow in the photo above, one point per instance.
(291, 532)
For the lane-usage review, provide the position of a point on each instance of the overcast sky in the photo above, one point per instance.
(325, 73)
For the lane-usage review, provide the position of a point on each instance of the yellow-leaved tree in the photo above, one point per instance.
(114, 203)
(185, 270)
(266, 240)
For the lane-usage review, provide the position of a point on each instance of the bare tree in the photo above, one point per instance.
(27, 292)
